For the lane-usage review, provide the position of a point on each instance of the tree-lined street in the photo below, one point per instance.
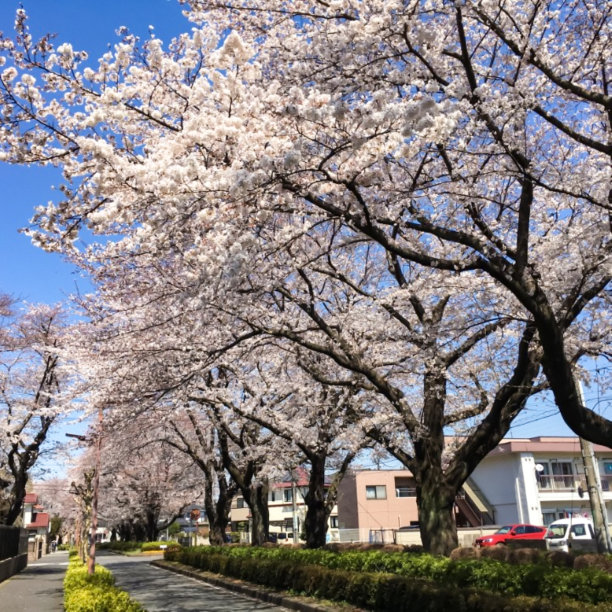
(314, 231)
(39, 587)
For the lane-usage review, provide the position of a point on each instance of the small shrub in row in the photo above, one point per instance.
(120, 546)
(132, 546)
(148, 546)
(97, 593)
(372, 591)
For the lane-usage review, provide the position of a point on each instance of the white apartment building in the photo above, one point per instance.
(537, 480)
(284, 512)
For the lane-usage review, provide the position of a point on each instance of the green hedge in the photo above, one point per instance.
(350, 575)
(132, 546)
(119, 546)
(97, 593)
(146, 546)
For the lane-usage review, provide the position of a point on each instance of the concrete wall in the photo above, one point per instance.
(10, 567)
(348, 517)
(499, 478)
(465, 535)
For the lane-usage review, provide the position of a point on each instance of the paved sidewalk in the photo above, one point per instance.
(38, 587)
(158, 590)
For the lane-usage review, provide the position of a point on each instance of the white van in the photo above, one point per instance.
(561, 533)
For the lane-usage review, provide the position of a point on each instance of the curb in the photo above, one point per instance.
(243, 588)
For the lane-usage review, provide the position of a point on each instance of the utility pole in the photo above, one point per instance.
(591, 474)
(296, 535)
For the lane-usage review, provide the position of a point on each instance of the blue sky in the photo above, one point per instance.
(30, 274)
(27, 272)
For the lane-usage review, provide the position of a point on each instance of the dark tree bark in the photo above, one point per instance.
(21, 459)
(205, 457)
(260, 515)
(245, 474)
(23, 456)
(317, 513)
(321, 497)
(218, 510)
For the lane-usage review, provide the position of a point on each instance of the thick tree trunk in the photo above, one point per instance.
(436, 516)
(17, 495)
(435, 495)
(317, 513)
(581, 420)
(216, 535)
(152, 531)
(260, 515)
(217, 512)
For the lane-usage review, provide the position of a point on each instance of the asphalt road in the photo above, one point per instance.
(38, 587)
(159, 590)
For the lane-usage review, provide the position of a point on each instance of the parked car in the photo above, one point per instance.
(561, 533)
(509, 533)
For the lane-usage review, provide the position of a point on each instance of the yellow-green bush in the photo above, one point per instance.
(97, 593)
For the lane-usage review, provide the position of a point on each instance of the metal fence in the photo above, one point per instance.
(13, 541)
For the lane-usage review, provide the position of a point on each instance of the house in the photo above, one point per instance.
(538, 480)
(530, 480)
(380, 506)
(285, 516)
(36, 522)
(374, 503)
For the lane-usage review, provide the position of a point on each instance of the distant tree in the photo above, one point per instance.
(55, 526)
(32, 370)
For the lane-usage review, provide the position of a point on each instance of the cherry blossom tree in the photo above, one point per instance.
(316, 423)
(416, 192)
(144, 484)
(461, 137)
(31, 396)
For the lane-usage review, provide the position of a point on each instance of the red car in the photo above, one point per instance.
(510, 533)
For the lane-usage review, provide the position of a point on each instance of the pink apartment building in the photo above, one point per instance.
(377, 499)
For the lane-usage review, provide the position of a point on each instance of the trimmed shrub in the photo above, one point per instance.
(601, 562)
(148, 546)
(97, 593)
(521, 556)
(463, 553)
(120, 546)
(357, 576)
(499, 552)
(560, 559)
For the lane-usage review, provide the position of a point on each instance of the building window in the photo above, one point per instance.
(606, 477)
(333, 522)
(556, 475)
(376, 492)
(287, 495)
(240, 502)
(405, 487)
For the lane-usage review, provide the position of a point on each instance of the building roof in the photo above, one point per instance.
(543, 444)
(299, 477)
(30, 498)
(41, 519)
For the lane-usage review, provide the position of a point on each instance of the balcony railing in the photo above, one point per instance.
(405, 492)
(549, 482)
